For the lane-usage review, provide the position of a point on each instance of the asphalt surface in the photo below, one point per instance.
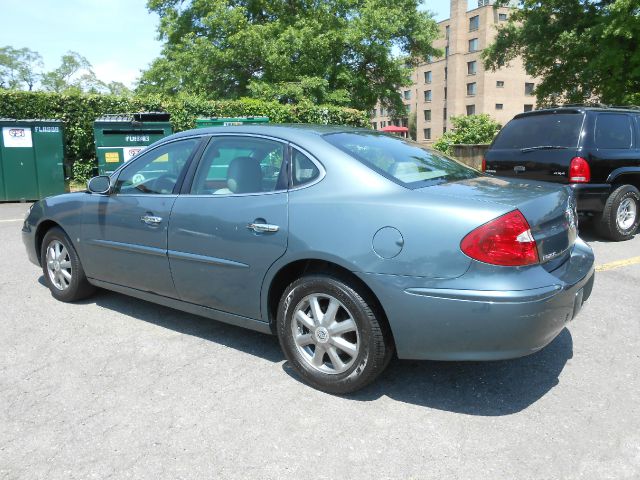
(116, 387)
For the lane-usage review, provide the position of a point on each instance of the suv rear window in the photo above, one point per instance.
(401, 160)
(552, 129)
(613, 131)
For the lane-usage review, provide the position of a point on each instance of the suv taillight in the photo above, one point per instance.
(484, 164)
(579, 171)
(506, 241)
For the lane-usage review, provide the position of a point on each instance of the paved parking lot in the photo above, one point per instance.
(117, 387)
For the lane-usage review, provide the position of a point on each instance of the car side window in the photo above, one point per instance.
(239, 165)
(613, 131)
(303, 169)
(156, 171)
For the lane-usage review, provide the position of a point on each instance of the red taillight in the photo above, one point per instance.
(579, 171)
(484, 164)
(506, 241)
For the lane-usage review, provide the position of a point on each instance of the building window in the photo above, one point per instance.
(528, 108)
(445, 93)
(528, 88)
(499, 84)
(407, 108)
(472, 67)
(446, 32)
(502, 17)
(473, 45)
(427, 77)
(471, 109)
(427, 115)
(427, 133)
(373, 112)
(383, 124)
(374, 125)
(499, 106)
(407, 94)
(446, 51)
(444, 113)
(429, 59)
(471, 88)
(427, 95)
(474, 23)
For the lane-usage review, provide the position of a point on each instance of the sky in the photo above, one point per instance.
(118, 37)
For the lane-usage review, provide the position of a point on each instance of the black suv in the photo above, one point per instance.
(596, 150)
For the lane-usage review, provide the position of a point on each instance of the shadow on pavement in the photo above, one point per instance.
(473, 388)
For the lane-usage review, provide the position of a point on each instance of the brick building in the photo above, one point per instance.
(457, 83)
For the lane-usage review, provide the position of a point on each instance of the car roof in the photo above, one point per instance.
(579, 109)
(284, 131)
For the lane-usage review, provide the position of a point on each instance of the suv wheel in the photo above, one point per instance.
(620, 217)
(63, 272)
(331, 335)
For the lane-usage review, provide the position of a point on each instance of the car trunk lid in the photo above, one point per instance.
(549, 209)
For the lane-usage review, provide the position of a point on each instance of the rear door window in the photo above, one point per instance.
(551, 130)
(239, 165)
(613, 131)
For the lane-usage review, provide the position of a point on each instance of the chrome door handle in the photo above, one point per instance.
(263, 227)
(150, 219)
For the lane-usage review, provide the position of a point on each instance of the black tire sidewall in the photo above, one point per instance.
(357, 375)
(77, 273)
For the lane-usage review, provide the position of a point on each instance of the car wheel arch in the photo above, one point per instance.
(294, 270)
(43, 227)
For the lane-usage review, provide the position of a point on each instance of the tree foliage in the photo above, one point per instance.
(337, 51)
(583, 50)
(19, 67)
(468, 129)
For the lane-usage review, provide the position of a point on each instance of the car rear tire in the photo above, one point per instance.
(331, 335)
(63, 272)
(620, 217)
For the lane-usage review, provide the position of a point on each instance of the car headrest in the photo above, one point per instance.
(244, 175)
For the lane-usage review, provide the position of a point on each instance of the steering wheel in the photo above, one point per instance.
(165, 183)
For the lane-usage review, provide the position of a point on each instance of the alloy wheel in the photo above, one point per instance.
(626, 213)
(59, 265)
(325, 334)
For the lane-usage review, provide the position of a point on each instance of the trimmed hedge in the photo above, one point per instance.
(79, 111)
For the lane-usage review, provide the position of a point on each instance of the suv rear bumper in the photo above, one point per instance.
(591, 197)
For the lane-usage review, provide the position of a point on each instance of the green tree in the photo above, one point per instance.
(338, 51)
(74, 72)
(583, 50)
(468, 129)
(19, 67)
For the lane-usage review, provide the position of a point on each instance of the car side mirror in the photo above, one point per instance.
(100, 184)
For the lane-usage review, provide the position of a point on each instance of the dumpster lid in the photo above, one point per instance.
(135, 117)
(25, 120)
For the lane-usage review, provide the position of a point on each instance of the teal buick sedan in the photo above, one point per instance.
(347, 244)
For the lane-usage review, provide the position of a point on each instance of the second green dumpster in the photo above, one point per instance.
(120, 137)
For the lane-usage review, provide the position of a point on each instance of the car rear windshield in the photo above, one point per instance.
(401, 160)
(553, 129)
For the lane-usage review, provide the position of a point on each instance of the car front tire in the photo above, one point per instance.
(63, 272)
(331, 334)
(620, 217)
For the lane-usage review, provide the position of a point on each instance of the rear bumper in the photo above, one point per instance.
(591, 197)
(459, 324)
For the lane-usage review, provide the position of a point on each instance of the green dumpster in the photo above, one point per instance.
(229, 121)
(31, 159)
(119, 138)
